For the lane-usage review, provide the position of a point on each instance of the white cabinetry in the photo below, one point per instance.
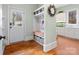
(38, 25)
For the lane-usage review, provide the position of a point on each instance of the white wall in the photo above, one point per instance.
(68, 32)
(0, 19)
(36, 24)
(39, 5)
(28, 22)
(1, 41)
(5, 22)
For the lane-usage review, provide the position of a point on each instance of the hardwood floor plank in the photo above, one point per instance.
(65, 46)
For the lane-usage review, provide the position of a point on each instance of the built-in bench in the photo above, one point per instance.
(39, 37)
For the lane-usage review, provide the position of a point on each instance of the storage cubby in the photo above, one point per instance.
(39, 25)
(44, 28)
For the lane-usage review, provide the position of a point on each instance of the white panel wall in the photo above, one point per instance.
(0, 19)
(28, 19)
(1, 41)
(68, 32)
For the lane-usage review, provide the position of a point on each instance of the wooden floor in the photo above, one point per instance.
(65, 47)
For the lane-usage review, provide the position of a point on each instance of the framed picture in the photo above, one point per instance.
(72, 18)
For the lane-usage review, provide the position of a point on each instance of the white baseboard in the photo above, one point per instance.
(28, 38)
(50, 46)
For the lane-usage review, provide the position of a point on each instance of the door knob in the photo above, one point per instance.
(10, 25)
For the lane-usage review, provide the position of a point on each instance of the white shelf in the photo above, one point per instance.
(42, 13)
(39, 8)
(39, 16)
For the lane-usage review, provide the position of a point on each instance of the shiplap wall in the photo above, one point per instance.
(68, 32)
(28, 20)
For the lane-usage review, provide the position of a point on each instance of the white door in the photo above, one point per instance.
(16, 28)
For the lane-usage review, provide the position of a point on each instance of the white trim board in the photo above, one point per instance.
(50, 46)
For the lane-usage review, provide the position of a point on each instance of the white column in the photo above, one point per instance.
(50, 31)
